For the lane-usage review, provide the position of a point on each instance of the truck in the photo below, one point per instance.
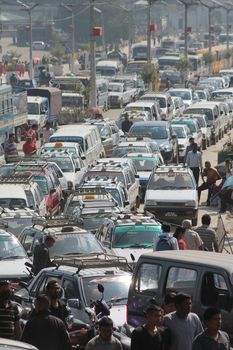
(45, 103)
(72, 106)
(13, 113)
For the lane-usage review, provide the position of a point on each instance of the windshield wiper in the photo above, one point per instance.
(12, 257)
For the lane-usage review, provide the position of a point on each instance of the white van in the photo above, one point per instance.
(148, 106)
(87, 136)
(38, 45)
(109, 67)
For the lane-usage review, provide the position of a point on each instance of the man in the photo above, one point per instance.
(207, 234)
(57, 307)
(183, 324)
(105, 339)
(126, 124)
(29, 147)
(191, 238)
(228, 168)
(9, 314)
(165, 241)
(189, 147)
(10, 149)
(45, 331)
(212, 176)
(47, 132)
(212, 338)
(41, 257)
(194, 162)
(151, 336)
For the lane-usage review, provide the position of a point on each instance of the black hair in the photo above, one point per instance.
(210, 312)
(166, 228)
(152, 307)
(191, 139)
(178, 230)
(4, 283)
(206, 219)
(49, 238)
(50, 284)
(105, 322)
(43, 299)
(12, 134)
(170, 297)
(180, 298)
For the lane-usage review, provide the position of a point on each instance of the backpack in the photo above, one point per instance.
(164, 243)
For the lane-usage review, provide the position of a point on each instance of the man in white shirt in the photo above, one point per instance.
(194, 162)
(192, 238)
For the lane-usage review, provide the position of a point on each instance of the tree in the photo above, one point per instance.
(183, 66)
(149, 74)
(58, 51)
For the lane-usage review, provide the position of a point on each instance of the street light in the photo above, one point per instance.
(29, 9)
(71, 10)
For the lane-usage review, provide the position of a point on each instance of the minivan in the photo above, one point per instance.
(87, 136)
(148, 106)
(205, 276)
(165, 102)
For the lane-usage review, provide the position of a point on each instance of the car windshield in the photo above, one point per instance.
(115, 288)
(33, 108)
(122, 151)
(207, 111)
(133, 236)
(75, 243)
(65, 164)
(201, 121)
(146, 164)
(42, 182)
(91, 221)
(16, 225)
(154, 132)
(201, 94)
(191, 125)
(183, 94)
(179, 132)
(13, 203)
(162, 102)
(105, 175)
(115, 87)
(10, 248)
(170, 181)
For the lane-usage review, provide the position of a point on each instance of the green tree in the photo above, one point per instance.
(149, 74)
(183, 66)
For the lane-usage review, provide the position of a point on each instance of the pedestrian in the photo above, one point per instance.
(165, 241)
(9, 314)
(47, 131)
(191, 238)
(105, 339)
(212, 338)
(179, 235)
(57, 307)
(207, 234)
(30, 132)
(10, 149)
(126, 124)
(29, 147)
(45, 331)
(228, 168)
(151, 335)
(212, 176)
(41, 258)
(168, 304)
(189, 147)
(194, 162)
(184, 325)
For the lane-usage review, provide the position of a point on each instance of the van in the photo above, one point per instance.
(87, 136)
(109, 67)
(148, 106)
(165, 102)
(206, 276)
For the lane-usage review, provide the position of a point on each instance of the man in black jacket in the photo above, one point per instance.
(45, 331)
(41, 258)
(57, 307)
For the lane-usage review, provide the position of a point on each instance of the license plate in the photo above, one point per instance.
(171, 213)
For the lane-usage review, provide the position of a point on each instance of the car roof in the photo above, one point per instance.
(194, 257)
(175, 168)
(12, 191)
(141, 155)
(132, 143)
(17, 213)
(152, 123)
(64, 144)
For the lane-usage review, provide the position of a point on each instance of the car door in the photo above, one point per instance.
(116, 132)
(133, 187)
(26, 238)
(107, 140)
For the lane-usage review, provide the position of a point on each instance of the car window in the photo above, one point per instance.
(215, 291)
(28, 237)
(69, 288)
(147, 279)
(182, 280)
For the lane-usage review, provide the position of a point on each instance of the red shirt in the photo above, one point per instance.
(29, 148)
(182, 244)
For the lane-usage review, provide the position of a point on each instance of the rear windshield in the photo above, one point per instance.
(76, 139)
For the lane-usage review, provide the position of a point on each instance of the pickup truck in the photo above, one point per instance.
(119, 95)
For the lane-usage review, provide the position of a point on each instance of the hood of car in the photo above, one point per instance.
(171, 195)
(13, 268)
(125, 252)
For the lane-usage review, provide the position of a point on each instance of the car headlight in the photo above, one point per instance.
(70, 185)
(190, 204)
(150, 202)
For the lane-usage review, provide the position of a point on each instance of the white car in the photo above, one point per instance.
(188, 96)
(9, 344)
(171, 195)
(38, 45)
(183, 134)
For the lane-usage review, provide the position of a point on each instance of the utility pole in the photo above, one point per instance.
(29, 9)
(71, 10)
(148, 31)
(93, 92)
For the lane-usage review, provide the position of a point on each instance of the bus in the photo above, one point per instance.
(109, 68)
(168, 61)
(139, 52)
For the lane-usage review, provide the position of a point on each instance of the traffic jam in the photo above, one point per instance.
(116, 197)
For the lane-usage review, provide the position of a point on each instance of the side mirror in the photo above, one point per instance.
(77, 169)
(103, 138)
(29, 253)
(83, 157)
(74, 303)
(100, 288)
(126, 203)
(136, 176)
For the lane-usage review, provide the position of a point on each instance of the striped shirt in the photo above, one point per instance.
(208, 235)
(8, 316)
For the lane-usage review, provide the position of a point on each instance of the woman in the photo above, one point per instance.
(179, 235)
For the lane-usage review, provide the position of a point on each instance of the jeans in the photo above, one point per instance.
(205, 186)
(196, 172)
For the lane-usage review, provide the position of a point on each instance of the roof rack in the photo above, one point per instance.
(56, 222)
(88, 261)
(17, 179)
(90, 190)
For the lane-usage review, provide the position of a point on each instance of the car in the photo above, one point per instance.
(183, 134)
(13, 258)
(188, 96)
(15, 220)
(179, 106)
(193, 125)
(79, 277)
(72, 148)
(123, 174)
(203, 94)
(144, 163)
(9, 344)
(142, 105)
(205, 129)
(161, 132)
(70, 238)
(150, 142)
(25, 84)
(127, 234)
(38, 45)
(165, 103)
(125, 147)
(171, 194)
